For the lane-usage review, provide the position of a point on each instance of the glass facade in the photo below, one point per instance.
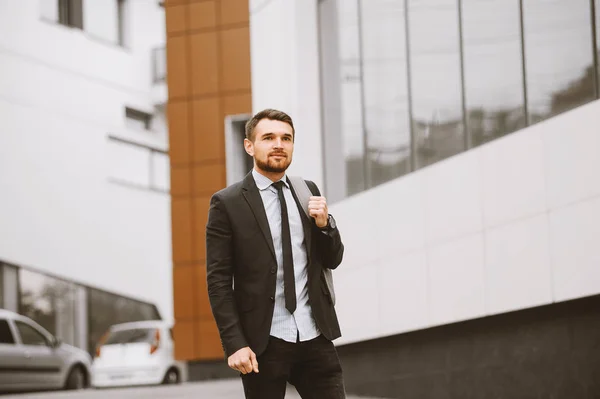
(50, 302)
(106, 309)
(78, 315)
(422, 80)
(559, 61)
(493, 69)
(385, 90)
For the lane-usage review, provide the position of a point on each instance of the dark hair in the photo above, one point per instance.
(271, 114)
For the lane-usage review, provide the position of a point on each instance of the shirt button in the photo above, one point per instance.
(273, 270)
(272, 299)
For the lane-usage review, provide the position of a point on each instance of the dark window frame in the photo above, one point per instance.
(140, 116)
(70, 13)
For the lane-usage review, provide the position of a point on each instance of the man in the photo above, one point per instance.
(265, 262)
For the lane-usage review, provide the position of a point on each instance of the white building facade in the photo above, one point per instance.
(84, 169)
(458, 143)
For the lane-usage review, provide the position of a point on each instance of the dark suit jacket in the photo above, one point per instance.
(240, 253)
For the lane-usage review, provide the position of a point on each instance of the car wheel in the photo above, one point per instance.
(171, 377)
(76, 379)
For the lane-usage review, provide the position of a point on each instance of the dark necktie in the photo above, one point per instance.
(289, 283)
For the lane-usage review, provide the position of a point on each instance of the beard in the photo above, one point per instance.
(273, 166)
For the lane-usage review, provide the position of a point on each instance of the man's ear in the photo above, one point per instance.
(249, 147)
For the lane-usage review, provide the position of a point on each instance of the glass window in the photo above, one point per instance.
(6, 335)
(49, 302)
(29, 335)
(138, 120)
(435, 80)
(70, 13)
(493, 69)
(351, 96)
(106, 309)
(558, 56)
(130, 336)
(386, 102)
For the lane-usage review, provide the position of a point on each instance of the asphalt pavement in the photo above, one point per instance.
(222, 389)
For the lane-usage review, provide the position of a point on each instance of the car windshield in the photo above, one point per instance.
(130, 336)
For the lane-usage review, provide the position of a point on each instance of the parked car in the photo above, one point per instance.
(137, 353)
(32, 359)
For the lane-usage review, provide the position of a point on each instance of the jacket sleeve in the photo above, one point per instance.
(329, 242)
(219, 274)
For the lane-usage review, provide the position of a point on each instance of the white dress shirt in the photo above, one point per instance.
(286, 326)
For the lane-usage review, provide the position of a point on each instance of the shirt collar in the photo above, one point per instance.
(263, 182)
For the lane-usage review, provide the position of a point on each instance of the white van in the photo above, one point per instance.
(137, 353)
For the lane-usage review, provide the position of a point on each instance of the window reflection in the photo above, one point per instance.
(558, 56)
(351, 96)
(106, 309)
(385, 89)
(436, 80)
(493, 69)
(49, 302)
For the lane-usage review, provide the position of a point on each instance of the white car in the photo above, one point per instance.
(137, 353)
(33, 359)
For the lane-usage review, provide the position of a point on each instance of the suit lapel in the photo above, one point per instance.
(252, 196)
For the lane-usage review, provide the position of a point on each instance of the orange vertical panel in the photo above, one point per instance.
(204, 57)
(208, 130)
(185, 339)
(177, 66)
(208, 346)
(202, 15)
(235, 53)
(181, 229)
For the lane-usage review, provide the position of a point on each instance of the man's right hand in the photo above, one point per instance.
(244, 361)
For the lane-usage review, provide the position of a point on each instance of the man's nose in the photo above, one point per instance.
(278, 143)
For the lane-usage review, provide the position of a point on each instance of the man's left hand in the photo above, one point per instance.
(317, 208)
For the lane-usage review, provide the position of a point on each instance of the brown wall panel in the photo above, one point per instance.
(184, 335)
(201, 205)
(181, 221)
(179, 132)
(181, 181)
(208, 179)
(208, 138)
(208, 51)
(202, 15)
(205, 65)
(233, 12)
(185, 292)
(177, 66)
(235, 59)
(176, 20)
(203, 303)
(237, 104)
(208, 346)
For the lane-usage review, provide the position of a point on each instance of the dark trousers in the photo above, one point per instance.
(313, 367)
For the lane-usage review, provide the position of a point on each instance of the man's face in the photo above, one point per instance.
(273, 146)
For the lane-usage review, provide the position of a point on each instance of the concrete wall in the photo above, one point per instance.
(63, 91)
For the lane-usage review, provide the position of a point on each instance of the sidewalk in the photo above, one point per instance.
(222, 389)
